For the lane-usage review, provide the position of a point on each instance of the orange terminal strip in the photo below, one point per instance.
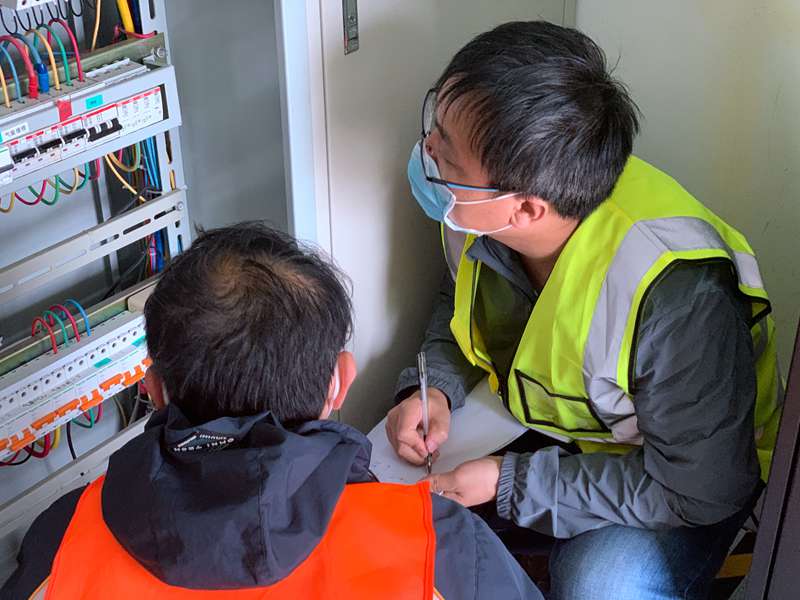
(68, 407)
(19, 443)
(45, 420)
(111, 382)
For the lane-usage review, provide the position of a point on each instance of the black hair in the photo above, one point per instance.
(546, 117)
(246, 321)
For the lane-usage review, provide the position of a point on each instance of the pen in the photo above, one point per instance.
(423, 390)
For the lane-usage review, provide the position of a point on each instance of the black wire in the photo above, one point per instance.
(57, 13)
(29, 25)
(91, 5)
(125, 275)
(5, 26)
(21, 462)
(36, 17)
(74, 12)
(69, 441)
(151, 191)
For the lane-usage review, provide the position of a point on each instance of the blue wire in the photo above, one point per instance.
(13, 71)
(77, 305)
(159, 252)
(153, 162)
(150, 170)
(34, 50)
(147, 173)
(137, 16)
(41, 70)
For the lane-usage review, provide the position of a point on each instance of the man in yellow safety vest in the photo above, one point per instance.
(612, 312)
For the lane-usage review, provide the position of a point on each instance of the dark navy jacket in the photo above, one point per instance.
(241, 502)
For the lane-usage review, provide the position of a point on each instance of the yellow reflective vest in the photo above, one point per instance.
(573, 373)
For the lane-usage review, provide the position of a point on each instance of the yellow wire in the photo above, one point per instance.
(121, 179)
(125, 15)
(172, 184)
(49, 54)
(5, 88)
(96, 25)
(75, 175)
(10, 206)
(124, 167)
(56, 438)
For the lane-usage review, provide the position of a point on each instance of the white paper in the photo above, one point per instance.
(480, 427)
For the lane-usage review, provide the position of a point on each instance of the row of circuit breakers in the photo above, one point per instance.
(28, 147)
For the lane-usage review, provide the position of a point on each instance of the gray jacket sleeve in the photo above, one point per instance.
(471, 561)
(694, 401)
(448, 369)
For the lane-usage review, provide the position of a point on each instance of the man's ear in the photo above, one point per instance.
(344, 374)
(530, 210)
(155, 388)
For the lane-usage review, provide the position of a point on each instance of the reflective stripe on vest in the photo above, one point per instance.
(572, 376)
(380, 543)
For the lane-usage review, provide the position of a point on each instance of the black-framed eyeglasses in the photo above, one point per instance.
(429, 123)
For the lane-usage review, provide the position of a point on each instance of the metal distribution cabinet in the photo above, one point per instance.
(209, 65)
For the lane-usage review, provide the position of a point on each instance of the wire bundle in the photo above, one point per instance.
(137, 168)
(58, 184)
(56, 315)
(28, 49)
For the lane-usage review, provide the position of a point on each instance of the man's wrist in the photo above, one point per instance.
(505, 485)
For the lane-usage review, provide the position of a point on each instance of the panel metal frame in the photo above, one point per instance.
(166, 212)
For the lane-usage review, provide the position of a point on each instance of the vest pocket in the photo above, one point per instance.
(570, 414)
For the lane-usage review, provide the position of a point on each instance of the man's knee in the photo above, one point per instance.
(615, 562)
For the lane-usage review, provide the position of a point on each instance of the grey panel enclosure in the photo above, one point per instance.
(230, 99)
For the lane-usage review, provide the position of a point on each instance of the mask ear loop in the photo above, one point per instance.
(165, 394)
(337, 384)
(487, 200)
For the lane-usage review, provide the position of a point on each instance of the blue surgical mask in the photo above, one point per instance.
(438, 200)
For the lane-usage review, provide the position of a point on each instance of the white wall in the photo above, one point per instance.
(718, 82)
(378, 234)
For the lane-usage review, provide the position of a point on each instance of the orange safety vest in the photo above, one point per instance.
(380, 543)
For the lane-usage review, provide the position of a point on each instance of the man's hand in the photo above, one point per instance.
(470, 483)
(404, 426)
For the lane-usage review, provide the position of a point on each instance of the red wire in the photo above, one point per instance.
(71, 319)
(96, 174)
(99, 414)
(10, 462)
(72, 40)
(44, 324)
(39, 453)
(118, 31)
(33, 81)
(38, 198)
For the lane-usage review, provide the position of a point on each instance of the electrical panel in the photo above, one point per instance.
(90, 111)
(50, 391)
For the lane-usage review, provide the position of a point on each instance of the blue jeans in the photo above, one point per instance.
(618, 562)
(626, 563)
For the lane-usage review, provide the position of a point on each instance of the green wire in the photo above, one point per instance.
(60, 322)
(85, 176)
(61, 46)
(44, 201)
(84, 425)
